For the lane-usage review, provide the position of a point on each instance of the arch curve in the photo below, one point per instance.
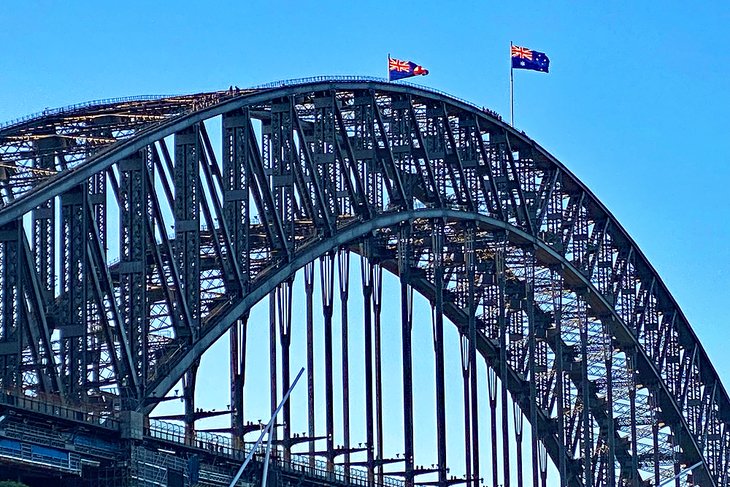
(328, 163)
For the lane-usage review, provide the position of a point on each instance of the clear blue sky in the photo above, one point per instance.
(636, 104)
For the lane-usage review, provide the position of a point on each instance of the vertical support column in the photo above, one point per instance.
(631, 366)
(189, 380)
(474, 392)
(327, 278)
(406, 296)
(273, 389)
(236, 188)
(519, 423)
(74, 269)
(655, 437)
(377, 308)
(465, 367)
(43, 231)
(187, 217)
(587, 436)
(365, 139)
(44, 252)
(238, 220)
(284, 308)
(238, 378)
(10, 305)
(532, 357)
(324, 150)
(725, 452)
(611, 441)
(187, 246)
(492, 389)
(366, 270)
(543, 465)
(43, 222)
(278, 158)
(466, 343)
(500, 265)
(133, 186)
(437, 317)
(309, 297)
(557, 295)
(343, 267)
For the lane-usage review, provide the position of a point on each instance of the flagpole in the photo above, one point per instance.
(511, 88)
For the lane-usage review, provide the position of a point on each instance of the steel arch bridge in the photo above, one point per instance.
(134, 233)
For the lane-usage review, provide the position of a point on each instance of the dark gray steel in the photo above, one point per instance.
(578, 332)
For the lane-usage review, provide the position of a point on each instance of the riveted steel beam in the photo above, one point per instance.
(607, 277)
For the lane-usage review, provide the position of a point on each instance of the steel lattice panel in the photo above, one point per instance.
(539, 278)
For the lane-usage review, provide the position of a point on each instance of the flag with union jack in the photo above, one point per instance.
(524, 58)
(398, 69)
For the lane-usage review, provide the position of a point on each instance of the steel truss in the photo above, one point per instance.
(579, 334)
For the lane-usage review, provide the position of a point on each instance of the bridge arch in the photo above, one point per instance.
(332, 165)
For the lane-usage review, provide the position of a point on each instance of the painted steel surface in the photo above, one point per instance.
(575, 325)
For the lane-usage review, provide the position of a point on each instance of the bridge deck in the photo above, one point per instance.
(41, 440)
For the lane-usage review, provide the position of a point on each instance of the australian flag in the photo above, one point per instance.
(398, 69)
(523, 58)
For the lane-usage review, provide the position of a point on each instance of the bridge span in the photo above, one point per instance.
(467, 310)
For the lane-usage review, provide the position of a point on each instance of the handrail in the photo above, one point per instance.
(271, 85)
(222, 445)
(87, 104)
(22, 401)
(319, 79)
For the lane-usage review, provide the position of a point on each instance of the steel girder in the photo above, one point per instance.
(537, 275)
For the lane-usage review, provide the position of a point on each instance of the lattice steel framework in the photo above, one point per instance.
(131, 240)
